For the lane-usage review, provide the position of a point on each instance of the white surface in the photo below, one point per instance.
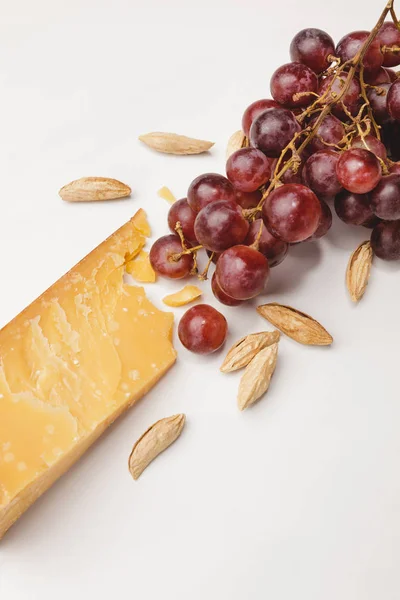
(299, 496)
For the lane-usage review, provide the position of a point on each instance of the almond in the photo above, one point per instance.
(246, 348)
(172, 143)
(358, 271)
(94, 189)
(257, 376)
(297, 325)
(235, 142)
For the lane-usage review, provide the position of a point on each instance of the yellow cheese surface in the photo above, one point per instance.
(70, 364)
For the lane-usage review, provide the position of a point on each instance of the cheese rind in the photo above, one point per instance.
(70, 364)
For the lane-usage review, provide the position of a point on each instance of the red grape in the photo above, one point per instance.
(273, 130)
(161, 258)
(312, 47)
(391, 74)
(220, 294)
(292, 212)
(208, 188)
(353, 209)
(385, 240)
(242, 272)
(331, 131)
(254, 110)
(291, 79)
(378, 101)
(352, 43)
(377, 77)
(351, 98)
(319, 173)
(385, 198)
(372, 222)
(220, 225)
(371, 143)
(202, 329)
(248, 169)
(389, 35)
(273, 249)
(393, 100)
(358, 170)
(395, 168)
(181, 211)
(248, 199)
(325, 222)
(391, 138)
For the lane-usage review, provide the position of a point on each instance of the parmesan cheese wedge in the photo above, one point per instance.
(70, 364)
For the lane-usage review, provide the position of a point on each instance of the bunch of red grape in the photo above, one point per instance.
(331, 134)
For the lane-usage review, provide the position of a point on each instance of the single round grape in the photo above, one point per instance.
(273, 249)
(352, 43)
(292, 213)
(242, 272)
(202, 329)
(325, 222)
(220, 294)
(385, 198)
(162, 255)
(358, 170)
(353, 209)
(312, 47)
(208, 188)
(385, 240)
(291, 84)
(181, 212)
(372, 222)
(319, 173)
(394, 168)
(248, 169)
(331, 131)
(391, 74)
(273, 130)
(378, 101)
(254, 110)
(371, 143)
(377, 77)
(393, 100)
(351, 99)
(248, 199)
(389, 35)
(220, 225)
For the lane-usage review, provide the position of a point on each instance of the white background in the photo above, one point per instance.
(298, 497)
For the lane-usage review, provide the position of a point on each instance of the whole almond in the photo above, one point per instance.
(172, 143)
(358, 271)
(155, 440)
(297, 325)
(235, 142)
(93, 189)
(257, 376)
(246, 348)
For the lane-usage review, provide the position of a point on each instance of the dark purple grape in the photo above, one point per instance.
(248, 169)
(202, 329)
(352, 43)
(389, 35)
(248, 199)
(292, 213)
(353, 209)
(220, 225)
(391, 74)
(325, 222)
(378, 100)
(377, 77)
(162, 255)
(372, 222)
(371, 143)
(351, 99)
(254, 110)
(181, 211)
(393, 100)
(242, 272)
(273, 130)
(220, 294)
(273, 249)
(390, 132)
(208, 188)
(331, 131)
(395, 168)
(291, 84)
(312, 47)
(358, 170)
(385, 198)
(385, 240)
(319, 173)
